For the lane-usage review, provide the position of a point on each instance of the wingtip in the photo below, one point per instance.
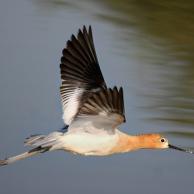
(121, 89)
(83, 31)
(79, 32)
(115, 89)
(84, 28)
(90, 31)
(73, 38)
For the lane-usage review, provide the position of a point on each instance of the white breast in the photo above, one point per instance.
(90, 144)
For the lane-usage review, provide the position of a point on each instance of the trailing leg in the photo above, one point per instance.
(24, 155)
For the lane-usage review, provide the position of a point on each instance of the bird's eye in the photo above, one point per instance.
(162, 140)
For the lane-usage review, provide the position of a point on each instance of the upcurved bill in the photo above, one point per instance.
(180, 149)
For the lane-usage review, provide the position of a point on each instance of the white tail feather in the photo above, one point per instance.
(41, 144)
(33, 139)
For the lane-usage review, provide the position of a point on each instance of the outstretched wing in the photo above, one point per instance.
(80, 73)
(103, 110)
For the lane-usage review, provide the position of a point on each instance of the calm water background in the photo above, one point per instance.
(145, 46)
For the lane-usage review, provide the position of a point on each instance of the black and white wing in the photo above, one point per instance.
(104, 110)
(80, 73)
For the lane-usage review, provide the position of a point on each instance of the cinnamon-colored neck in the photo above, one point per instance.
(128, 143)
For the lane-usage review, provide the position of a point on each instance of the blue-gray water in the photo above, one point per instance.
(145, 46)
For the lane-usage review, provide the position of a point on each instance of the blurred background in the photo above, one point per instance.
(145, 46)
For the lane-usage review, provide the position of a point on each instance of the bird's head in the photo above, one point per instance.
(157, 141)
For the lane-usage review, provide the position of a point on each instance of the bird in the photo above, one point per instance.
(91, 110)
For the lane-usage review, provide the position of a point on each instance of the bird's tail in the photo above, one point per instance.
(41, 144)
(24, 155)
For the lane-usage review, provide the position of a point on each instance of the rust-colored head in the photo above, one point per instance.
(156, 141)
(153, 141)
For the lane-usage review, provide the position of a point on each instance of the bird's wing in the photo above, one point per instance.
(80, 73)
(104, 110)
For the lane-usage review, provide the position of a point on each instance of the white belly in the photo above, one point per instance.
(90, 144)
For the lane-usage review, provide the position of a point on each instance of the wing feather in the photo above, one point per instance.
(103, 108)
(80, 73)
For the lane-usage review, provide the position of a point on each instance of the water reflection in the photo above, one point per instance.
(164, 35)
(182, 134)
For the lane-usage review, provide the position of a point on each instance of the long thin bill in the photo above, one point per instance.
(180, 149)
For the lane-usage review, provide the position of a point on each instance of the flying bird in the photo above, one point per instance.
(91, 111)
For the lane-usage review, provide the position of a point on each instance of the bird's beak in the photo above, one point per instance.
(180, 149)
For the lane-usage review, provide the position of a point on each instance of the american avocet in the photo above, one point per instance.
(91, 111)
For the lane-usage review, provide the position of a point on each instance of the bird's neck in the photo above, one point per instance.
(127, 143)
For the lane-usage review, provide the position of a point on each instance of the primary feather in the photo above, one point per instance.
(80, 73)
